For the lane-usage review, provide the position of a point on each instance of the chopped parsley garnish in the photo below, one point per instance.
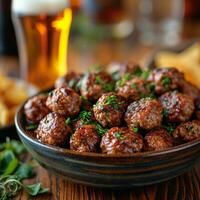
(107, 87)
(112, 101)
(98, 80)
(68, 121)
(165, 112)
(135, 129)
(31, 127)
(119, 135)
(124, 79)
(169, 128)
(133, 85)
(145, 75)
(85, 116)
(138, 71)
(151, 87)
(101, 131)
(166, 81)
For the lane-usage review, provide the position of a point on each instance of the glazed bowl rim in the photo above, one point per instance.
(22, 132)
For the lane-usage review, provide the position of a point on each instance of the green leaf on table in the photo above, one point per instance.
(13, 145)
(8, 162)
(25, 171)
(35, 189)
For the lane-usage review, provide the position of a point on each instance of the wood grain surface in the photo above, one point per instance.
(185, 187)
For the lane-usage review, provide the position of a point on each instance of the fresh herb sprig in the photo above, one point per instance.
(13, 171)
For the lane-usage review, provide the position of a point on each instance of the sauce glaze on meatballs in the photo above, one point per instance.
(178, 107)
(85, 139)
(53, 130)
(94, 85)
(157, 140)
(109, 110)
(64, 101)
(35, 109)
(121, 140)
(133, 89)
(165, 79)
(145, 113)
(187, 131)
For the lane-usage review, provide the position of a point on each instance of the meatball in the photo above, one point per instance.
(120, 141)
(187, 131)
(178, 107)
(145, 113)
(109, 110)
(190, 90)
(133, 89)
(157, 140)
(165, 79)
(69, 80)
(35, 109)
(93, 85)
(131, 67)
(64, 101)
(85, 139)
(53, 130)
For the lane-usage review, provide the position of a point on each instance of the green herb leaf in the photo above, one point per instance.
(133, 85)
(165, 112)
(31, 127)
(35, 189)
(25, 171)
(145, 75)
(166, 81)
(119, 136)
(101, 131)
(136, 130)
(8, 161)
(68, 121)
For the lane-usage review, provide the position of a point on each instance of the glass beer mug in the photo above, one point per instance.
(42, 28)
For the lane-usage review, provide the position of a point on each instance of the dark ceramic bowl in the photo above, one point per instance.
(111, 171)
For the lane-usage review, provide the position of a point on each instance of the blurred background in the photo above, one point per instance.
(112, 30)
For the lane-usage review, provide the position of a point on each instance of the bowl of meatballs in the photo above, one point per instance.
(130, 127)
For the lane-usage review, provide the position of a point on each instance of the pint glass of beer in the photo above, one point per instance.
(42, 29)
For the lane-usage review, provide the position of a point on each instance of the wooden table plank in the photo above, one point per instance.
(185, 187)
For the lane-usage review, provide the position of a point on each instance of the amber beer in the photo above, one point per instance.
(42, 29)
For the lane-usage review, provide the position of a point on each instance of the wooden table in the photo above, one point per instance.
(185, 187)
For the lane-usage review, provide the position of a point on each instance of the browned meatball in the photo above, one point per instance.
(165, 79)
(35, 109)
(130, 67)
(145, 113)
(187, 131)
(133, 89)
(69, 80)
(120, 141)
(93, 85)
(53, 130)
(177, 107)
(85, 139)
(109, 110)
(157, 140)
(64, 101)
(190, 90)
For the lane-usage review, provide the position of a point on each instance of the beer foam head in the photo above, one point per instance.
(34, 7)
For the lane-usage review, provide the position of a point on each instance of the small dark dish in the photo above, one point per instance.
(111, 171)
